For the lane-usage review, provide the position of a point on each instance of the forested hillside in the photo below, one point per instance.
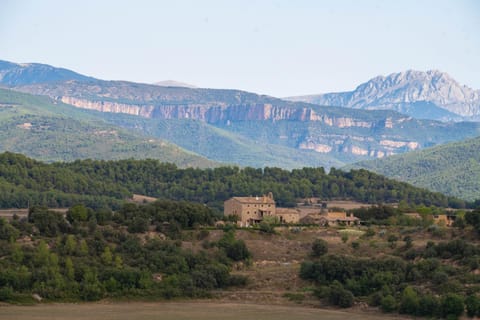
(453, 169)
(106, 183)
(52, 131)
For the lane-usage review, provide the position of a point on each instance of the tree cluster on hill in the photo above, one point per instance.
(213, 186)
(91, 254)
(106, 183)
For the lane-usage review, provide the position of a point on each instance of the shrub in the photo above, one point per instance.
(6, 293)
(340, 296)
(319, 247)
(452, 306)
(409, 302)
(473, 305)
(388, 303)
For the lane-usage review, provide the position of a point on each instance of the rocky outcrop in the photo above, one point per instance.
(398, 90)
(107, 106)
(219, 113)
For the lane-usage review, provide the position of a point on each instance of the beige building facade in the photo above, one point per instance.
(332, 218)
(252, 210)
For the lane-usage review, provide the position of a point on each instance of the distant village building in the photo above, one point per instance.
(288, 215)
(252, 210)
(333, 218)
(446, 220)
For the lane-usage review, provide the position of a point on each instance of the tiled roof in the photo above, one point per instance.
(287, 211)
(255, 200)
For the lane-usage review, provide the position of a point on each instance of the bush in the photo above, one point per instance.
(473, 305)
(388, 304)
(452, 306)
(428, 306)
(266, 227)
(236, 280)
(234, 249)
(319, 247)
(409, 302)
(340, 296)
(6, 293)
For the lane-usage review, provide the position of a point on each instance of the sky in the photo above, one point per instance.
(279, 48)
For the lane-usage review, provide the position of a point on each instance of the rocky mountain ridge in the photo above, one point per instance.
(13, 74)
(400, 91)
(209, 121)
(223, 108)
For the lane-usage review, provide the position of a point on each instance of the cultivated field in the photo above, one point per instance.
(175, 311)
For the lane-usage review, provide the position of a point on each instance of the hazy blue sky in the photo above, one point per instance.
(279, 48)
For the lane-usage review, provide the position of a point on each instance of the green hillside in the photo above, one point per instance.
(452, 169)
(98, 183)
(50, 131)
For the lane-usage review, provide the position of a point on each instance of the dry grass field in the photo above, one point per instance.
(176, 311)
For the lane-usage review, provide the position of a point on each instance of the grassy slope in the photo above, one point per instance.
(44, 130)
(453, 169)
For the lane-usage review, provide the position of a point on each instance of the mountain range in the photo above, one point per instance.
(257, 130)
(424, 95)
(76, 116)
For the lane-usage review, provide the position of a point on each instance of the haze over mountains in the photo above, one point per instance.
(247, 129)
(424, 95)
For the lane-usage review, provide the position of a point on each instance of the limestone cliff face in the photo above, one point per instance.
(106, 106)
(217, 113)
(222, 113)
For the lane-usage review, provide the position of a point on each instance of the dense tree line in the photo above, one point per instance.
(105, 183)
(213, 186)
(91, 254)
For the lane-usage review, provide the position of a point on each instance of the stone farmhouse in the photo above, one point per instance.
(332, 218)
(252, 210)
(446, 220)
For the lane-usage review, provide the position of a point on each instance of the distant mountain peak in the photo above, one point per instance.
(398, 91)
(12, 74)
(173, 83)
